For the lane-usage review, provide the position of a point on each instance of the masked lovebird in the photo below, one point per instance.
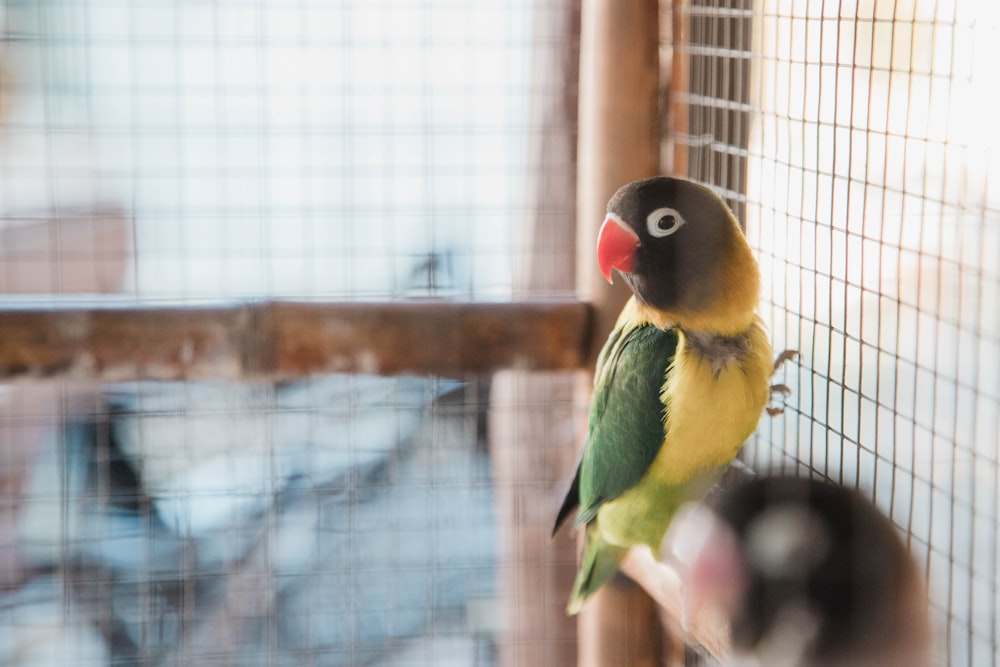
(681, 381)
(809, 574)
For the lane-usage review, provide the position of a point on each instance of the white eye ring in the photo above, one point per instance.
(663, 222)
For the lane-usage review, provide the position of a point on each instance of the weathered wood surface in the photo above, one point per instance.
(535, 424)
(281, 340)
(664, 584)
(84, 250)
(619, 131)
(619, 142)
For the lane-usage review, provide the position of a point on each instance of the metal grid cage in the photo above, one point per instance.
(855, 137)
(183, 152)
(189, 153)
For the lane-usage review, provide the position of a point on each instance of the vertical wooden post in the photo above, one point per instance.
(90, 252)
(678, 60)
(675, 73)
(619, 129)
(619, 142)
(535, 423)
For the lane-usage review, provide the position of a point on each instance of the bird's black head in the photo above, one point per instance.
(816, 547)
(679, 248)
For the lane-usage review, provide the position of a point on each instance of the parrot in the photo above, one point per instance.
(682, 379)
(808, 573)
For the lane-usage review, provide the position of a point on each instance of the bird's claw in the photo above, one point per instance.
(786, 355)
(779, 392)
(777, 406)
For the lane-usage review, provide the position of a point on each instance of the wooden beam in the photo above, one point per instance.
(619, 142)
(283, 340)
(619, 131)
(677, 60)
(664, 584)
(534, 420)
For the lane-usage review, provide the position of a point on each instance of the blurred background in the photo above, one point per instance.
(187, 155)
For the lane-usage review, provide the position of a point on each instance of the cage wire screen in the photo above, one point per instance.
(189, 152)
(345, 149)
(858, 139)
(185, 152)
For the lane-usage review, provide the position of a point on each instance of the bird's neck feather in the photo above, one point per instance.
(728, 309)
(731, 314)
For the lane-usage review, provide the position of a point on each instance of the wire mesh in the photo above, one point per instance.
(188, 152)
(328, 521)
(864, 133)
(377, 150)
(343, 149)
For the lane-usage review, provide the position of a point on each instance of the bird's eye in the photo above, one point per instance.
(663, 222)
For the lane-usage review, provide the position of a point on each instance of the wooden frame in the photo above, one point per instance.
(283, 340)
(619, 140)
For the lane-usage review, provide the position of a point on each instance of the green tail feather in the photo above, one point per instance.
(600, 562)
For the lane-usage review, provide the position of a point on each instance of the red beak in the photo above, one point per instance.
(616, 245)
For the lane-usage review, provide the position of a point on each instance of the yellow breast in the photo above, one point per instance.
(712, 411)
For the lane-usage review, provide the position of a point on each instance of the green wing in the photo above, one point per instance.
(626, 415)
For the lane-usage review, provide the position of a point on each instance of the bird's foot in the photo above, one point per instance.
(779, 392)
(786, 355)
(776, 404)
